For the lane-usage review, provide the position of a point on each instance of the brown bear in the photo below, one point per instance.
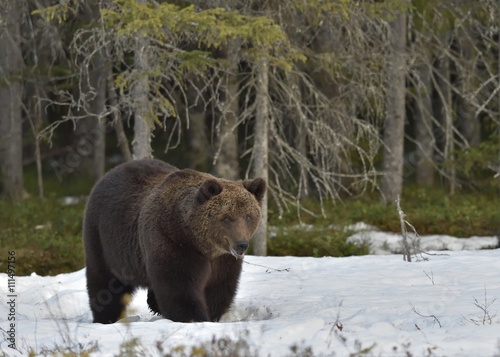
(180, 233)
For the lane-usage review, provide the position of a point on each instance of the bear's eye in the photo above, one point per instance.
(248, 218)
(227, 219)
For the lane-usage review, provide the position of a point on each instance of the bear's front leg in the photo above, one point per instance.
(179, 289)
(222, 286)
(187, 306)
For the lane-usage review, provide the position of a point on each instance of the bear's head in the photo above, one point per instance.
(222, 215)
(230, 213)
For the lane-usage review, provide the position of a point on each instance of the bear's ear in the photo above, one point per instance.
(256, 187)
(208, 189)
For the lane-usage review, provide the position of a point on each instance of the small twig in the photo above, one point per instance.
(431, 277)
(435, 254)
(406, 247)
(269, 269)
(337, 328)
(426, 316)
(484, 307)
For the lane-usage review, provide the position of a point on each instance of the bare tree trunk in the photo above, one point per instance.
(89, 131)
(443, 111)
(226, 161)
(98, 107)
(300, 140)
(497, 175)
(117, 119)
(198, 140)
(260, 149)
(468, 121)
(301, 145)
(11, 65)
(327, 40)
(423, 123)
(38, 158)
(143, 123)
(35, 114)
(394, 126)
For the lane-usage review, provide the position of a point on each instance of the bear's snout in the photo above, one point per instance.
(239, 249)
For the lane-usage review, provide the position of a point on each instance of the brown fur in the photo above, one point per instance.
(180, 233)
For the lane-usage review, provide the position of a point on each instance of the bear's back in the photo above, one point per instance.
(124, 186)
(110, 222)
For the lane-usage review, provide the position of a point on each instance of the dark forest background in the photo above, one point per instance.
(341, 105)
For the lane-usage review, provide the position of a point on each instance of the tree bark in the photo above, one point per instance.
(98, 105)
(198, 140)
(497, 174)
(226, 161)
(423, 123)
(117, 119)
(36, 118)
(11, 66)
(261, 149)
(393, 156)
(89, 133)
(443, 112)
(143, 123)
(468, 121)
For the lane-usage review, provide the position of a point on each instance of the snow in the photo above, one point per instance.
(443, 304)
(390, 243)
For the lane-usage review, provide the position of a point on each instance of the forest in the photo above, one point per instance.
(329, 100)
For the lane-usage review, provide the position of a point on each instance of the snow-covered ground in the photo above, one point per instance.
(390, 243)
(446, 303)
